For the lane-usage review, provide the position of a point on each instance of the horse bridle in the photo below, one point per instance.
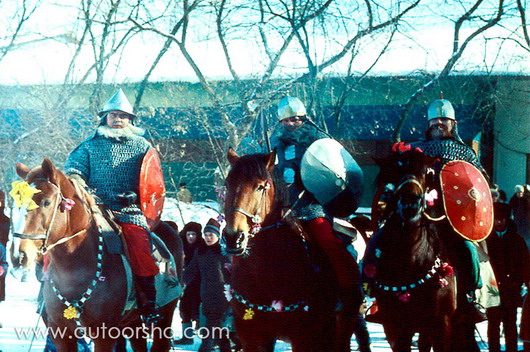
(413, 179)
(256, 218)
(59, 199)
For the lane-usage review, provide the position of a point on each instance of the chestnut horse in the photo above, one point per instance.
(85, 287)
(411, 280)
(280, 288)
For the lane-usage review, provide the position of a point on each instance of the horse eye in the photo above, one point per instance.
(46, 203)
(260, 188)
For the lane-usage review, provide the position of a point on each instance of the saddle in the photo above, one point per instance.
(109, 229)
(165, 282)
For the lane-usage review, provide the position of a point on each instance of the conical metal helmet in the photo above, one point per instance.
(289, 107)
(118, 102)
(441, 108)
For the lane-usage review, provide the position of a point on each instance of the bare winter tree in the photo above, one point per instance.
(16, 28)
(477, 16)
(279, 29)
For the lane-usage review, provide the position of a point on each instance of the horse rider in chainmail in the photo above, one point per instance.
(444, 143)
(109, 163)
(298, 133)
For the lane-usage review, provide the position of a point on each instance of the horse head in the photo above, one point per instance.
(47, 208)
(250, 198)
(407, 178)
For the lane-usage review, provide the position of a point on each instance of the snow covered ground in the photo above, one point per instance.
(18, 313)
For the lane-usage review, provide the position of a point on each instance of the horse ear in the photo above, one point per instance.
(271, 160)
(232, 156)
(49, 169)
(22, 170)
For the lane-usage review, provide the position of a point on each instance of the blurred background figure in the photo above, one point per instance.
(184, 195)
(511, 264)
(520, 206)
(4, 238)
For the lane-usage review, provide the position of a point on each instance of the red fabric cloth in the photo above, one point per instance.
(342, 262)
(139, 246)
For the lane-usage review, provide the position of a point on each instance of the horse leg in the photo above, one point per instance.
(137, 336)
(400, 340)
(425, 343)
(344, 330)
(102, 345)
(65, 345)
(162, 332)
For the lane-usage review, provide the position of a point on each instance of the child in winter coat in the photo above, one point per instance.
(211, 266)
(190, 302)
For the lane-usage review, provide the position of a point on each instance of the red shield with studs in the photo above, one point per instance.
(152, 188)
(467, 200)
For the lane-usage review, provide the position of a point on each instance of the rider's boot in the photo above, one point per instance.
(146, 298)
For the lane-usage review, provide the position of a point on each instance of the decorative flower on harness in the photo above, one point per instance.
(67, 204)
(23, 193)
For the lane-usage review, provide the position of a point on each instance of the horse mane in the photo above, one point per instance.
(85, 196)
(398, 164)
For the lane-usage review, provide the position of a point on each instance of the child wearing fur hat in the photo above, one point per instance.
(210, 265)
(190, 302)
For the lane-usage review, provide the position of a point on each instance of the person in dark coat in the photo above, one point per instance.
(190, 302)
(4, 238)
(3, 272)
(520, 205)
(511, 264)
(211, 265)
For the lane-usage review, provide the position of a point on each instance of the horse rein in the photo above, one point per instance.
(58, 203)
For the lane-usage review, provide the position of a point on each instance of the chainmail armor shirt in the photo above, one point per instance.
(448, 150)
(290, 148)
(111, 166)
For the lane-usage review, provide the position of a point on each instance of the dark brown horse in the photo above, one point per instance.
(411, 279)
(86, 287)
(275, 288)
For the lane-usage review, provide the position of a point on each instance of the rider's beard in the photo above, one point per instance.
(438, 131)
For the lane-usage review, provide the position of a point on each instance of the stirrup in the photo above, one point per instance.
(151, 318)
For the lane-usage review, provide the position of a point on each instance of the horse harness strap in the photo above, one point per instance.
(430, 274)
(276, 306)
(74, 308)
(256, 218)
(61, 241)
(410, 179)
(45, 247)
(413, 180)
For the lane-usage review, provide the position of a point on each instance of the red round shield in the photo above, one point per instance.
(152, 188)
(467, 200)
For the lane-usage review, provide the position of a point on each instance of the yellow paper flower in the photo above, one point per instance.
(70, 313)
(249, 314)
(23, 193)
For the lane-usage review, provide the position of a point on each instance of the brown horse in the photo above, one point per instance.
(279, 286)
(86, 287)
(411, 279)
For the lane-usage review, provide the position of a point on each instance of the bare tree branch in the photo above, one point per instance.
(457, 52)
